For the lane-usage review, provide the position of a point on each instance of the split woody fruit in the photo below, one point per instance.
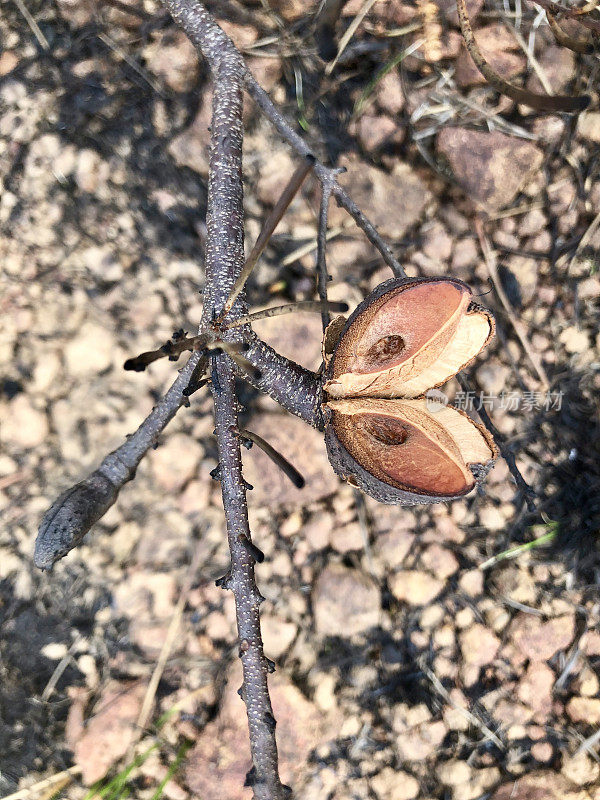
(382, 434)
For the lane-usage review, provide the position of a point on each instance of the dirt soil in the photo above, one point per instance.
(405, 668)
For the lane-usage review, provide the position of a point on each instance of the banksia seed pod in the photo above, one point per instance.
(382, 434)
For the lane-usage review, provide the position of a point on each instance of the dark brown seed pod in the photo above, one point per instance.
(382, 434)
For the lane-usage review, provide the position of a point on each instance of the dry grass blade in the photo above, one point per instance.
(538, 101)
(290, 308)
(519, 328)
(37, 32)
(54, 784)
(165, 651)
(269, 226)
(352, 28)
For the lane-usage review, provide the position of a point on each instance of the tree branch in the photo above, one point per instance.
(224, 261)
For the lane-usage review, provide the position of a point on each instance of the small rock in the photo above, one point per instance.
(574, 340)
(588, 126)
(176, 461)
(498, 47)
(525, 270)
(580, 769)
(275, 172)
(558, 65)
(91, 352)
(8, 61)
(391, 783)
(76, 12)
(344, 603)
(190, 148)
(102, 262)
(542, 752)
(277, 635)
(478, 645)
(538, 640)
(389, 93)
(374, 131)
(491, 167)
(536, 786)
(23, 425)
(535, 688)
(453, 773)
(584, 709)
(296, 336)
(393, 202)
(173, 59)
(414, 587)
(392, 548)
(346, 538)
(420, 743)
(110, 730)
(440, 561)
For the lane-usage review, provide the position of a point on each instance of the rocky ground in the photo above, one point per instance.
(404, 669)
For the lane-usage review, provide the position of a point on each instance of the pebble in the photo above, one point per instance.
(344, 603)
(491, 167)
(414, 587)
(176, 461)
(391, 783)
(479, 645)
(23, 425)
(91, 352)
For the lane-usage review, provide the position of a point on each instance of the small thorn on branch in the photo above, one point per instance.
(270, 720)
(250, 778)
(276, 457)
(215, 473)
(225, 582)
(256, 553)
(270, 664)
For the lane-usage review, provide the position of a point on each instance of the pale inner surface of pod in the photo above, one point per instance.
(412, 339)
(406, 445)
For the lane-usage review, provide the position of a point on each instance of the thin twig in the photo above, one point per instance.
(322, 274)
(582, 46)
(323, 173)
(74, 512)
(538, 101)
(311, 246)
(505, 451)
(276, 457)
(112, 45)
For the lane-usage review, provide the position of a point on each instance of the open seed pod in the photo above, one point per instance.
(382, 434)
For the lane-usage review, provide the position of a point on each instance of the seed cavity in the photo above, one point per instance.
(386, 430)
(386, 349)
